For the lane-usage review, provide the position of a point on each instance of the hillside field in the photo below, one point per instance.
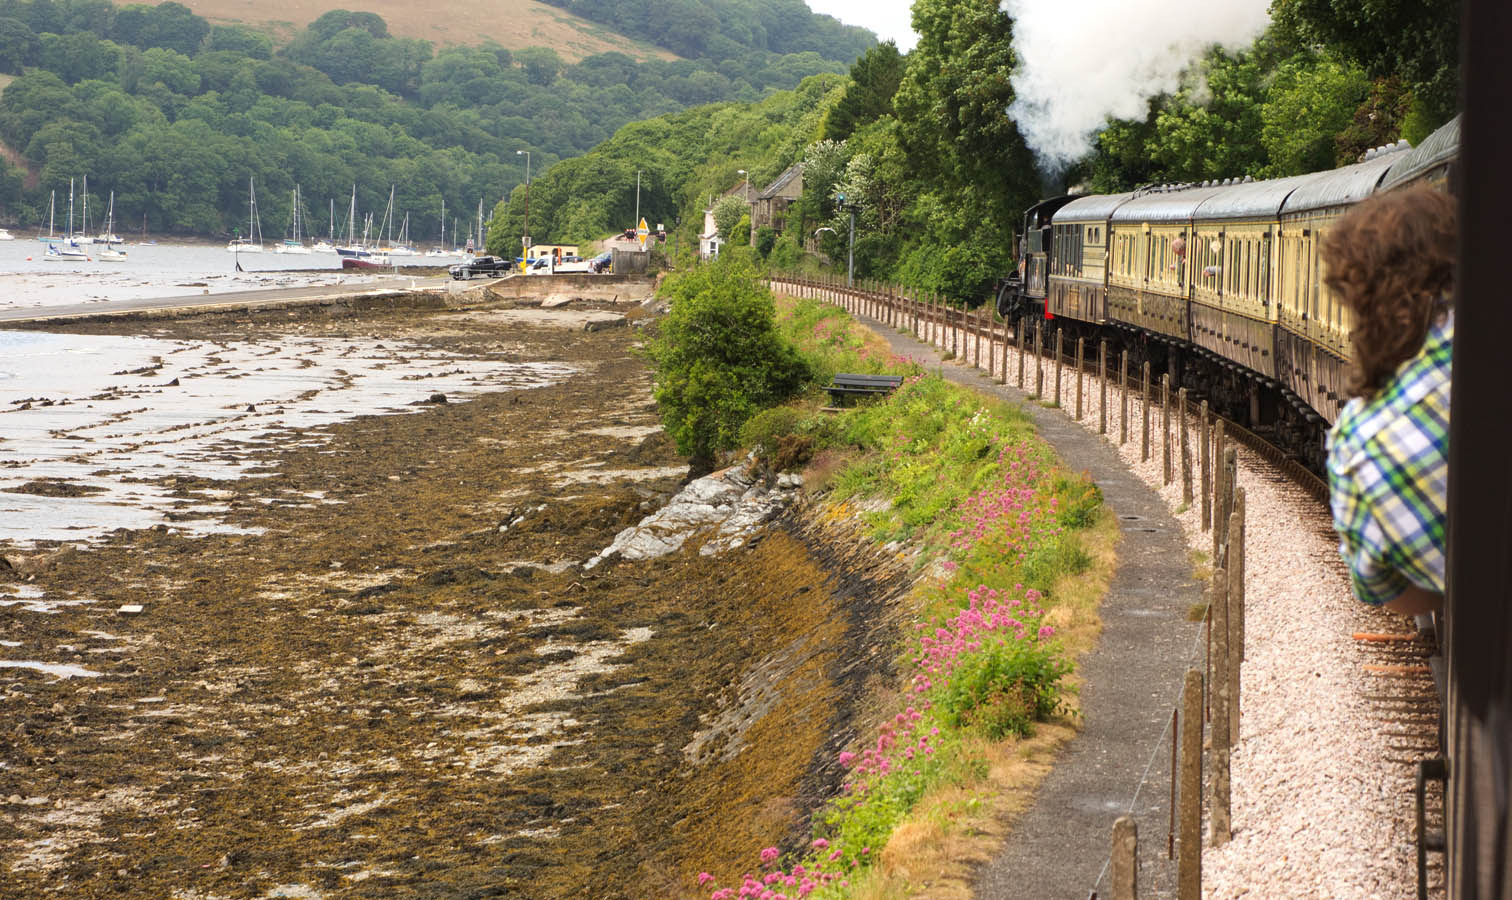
(513, 23)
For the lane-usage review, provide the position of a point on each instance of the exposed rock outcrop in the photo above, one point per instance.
(732, 504)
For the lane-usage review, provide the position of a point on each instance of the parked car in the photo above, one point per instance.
(546, 265)
(601, 263)
(487, 266)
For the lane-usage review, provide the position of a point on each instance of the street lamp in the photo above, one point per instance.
(850, 260)
(525, 239)
(637, 200)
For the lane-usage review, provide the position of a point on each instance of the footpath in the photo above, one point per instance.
(1119, 764)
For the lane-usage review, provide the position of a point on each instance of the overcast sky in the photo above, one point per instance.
(888, 18)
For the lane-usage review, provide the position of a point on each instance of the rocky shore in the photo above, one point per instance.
(397, 676)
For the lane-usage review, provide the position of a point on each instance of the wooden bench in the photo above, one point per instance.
(851, 385)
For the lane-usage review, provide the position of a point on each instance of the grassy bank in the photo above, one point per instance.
(1012, 554)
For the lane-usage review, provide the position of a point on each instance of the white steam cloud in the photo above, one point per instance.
(1083, 61)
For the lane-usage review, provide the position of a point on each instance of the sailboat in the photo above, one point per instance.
(108, 236)
(252, 243)
(52, 203)
(67, 250)
(294, 244)
(112, 251)
(328, 246)
(440, 250)
(83, 237)
(355, 255)
(403, 247)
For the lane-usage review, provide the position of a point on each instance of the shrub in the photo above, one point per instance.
(718, 357)
(766, 236)
(1006, 688)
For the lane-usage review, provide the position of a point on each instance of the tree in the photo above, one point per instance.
(719, 358)
(1417, 42)
(19, 45)
(727, 214)
(952, 121)
(541, 64)
(874, 81)
(1309, 104)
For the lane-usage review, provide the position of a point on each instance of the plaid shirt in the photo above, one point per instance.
(1388, 470)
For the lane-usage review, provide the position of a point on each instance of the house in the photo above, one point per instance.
(769, 209)
(709, 239)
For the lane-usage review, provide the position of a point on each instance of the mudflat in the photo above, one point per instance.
(389, 675)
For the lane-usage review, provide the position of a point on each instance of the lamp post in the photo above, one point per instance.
(637, 198)
(850, 259)
(850, 254)
(525, 239)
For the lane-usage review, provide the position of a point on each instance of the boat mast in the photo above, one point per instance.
(388, 220)
(70, 208)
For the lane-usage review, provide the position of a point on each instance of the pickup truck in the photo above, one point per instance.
(487, 266)
(547, 265)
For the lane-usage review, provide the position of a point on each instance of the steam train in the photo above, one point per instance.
(1218, 283)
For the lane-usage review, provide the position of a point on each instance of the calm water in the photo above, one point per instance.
(28, 279)
(98, 412)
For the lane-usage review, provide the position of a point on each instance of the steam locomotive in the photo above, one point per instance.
(1218, 283)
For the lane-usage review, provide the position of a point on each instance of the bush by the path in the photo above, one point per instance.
(719, 358)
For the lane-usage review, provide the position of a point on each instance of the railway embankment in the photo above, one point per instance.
(1330, 729)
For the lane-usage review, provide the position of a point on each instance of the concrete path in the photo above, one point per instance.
(1059, 847)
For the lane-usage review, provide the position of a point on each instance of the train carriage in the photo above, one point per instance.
(1312, 337)
(1432, 162)
(1234, 259)
(1149, 276)
(1078, 283)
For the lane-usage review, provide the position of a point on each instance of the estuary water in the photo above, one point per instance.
(29, 280)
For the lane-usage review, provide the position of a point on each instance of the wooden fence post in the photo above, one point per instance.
(1003, 362)
(1144, 444)
(1186, 450)
(1039, 361)
(950, 326)
(1220, 825)
(1080, 361)
(1230, 482)
(1018, 334)
(1218, 491)
(1165, 428)
(1102, 387)
(1123, 398)
(976, 320)
(1235, 610)
(1206, 486)
(1060, 354)
(1189, 861)
(1125, 859)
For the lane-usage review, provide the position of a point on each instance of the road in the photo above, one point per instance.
(230, 298)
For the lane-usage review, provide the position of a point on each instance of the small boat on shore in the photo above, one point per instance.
(365, 260)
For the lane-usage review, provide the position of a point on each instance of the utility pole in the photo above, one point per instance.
(637, 198)
(525, 239)
(850, 256)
